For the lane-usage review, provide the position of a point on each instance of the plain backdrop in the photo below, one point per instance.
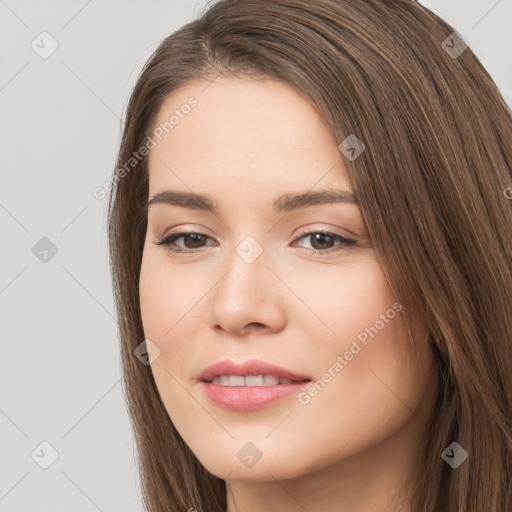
(62, 403)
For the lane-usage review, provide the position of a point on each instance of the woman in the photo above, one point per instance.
(311, 239)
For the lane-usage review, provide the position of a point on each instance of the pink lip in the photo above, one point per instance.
(250, 367)
(247, 398)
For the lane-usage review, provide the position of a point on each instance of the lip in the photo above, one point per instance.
(247, 398)
(250, 367)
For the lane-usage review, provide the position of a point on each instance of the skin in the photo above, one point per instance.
(354, 445)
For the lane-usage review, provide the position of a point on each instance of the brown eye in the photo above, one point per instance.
(322, 241)
(195, 241)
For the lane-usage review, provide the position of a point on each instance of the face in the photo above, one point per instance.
(288, 283)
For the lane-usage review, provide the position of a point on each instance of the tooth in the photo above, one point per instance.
(270, 380)
(236, 380)
(250, 380)
(254, 380)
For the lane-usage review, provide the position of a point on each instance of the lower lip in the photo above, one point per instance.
(249, 398)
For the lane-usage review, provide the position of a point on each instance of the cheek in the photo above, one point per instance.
(343, 300)
(166, 296)
(366, 374)
(172, 302)
(368, 349)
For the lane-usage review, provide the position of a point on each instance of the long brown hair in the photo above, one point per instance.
(434, 186)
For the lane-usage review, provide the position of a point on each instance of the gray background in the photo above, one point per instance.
(60, 129)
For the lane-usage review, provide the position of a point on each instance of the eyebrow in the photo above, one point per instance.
(283, 203)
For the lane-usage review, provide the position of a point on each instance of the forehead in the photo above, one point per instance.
(243, 133)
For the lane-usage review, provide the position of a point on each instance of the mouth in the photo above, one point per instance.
(250, 385)
(252, 380)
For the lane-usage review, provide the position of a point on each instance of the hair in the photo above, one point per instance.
(432, 185)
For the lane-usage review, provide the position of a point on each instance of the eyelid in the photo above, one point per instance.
(187, 229)
(331, 231)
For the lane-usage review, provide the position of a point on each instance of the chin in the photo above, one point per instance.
(235, 464)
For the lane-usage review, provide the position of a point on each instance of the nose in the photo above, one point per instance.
(248, 298)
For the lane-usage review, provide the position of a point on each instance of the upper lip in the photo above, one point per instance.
(250, 367)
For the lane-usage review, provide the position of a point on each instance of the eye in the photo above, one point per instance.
(318, 239)
(195, 238)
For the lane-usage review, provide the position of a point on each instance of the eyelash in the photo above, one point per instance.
(166, 241)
